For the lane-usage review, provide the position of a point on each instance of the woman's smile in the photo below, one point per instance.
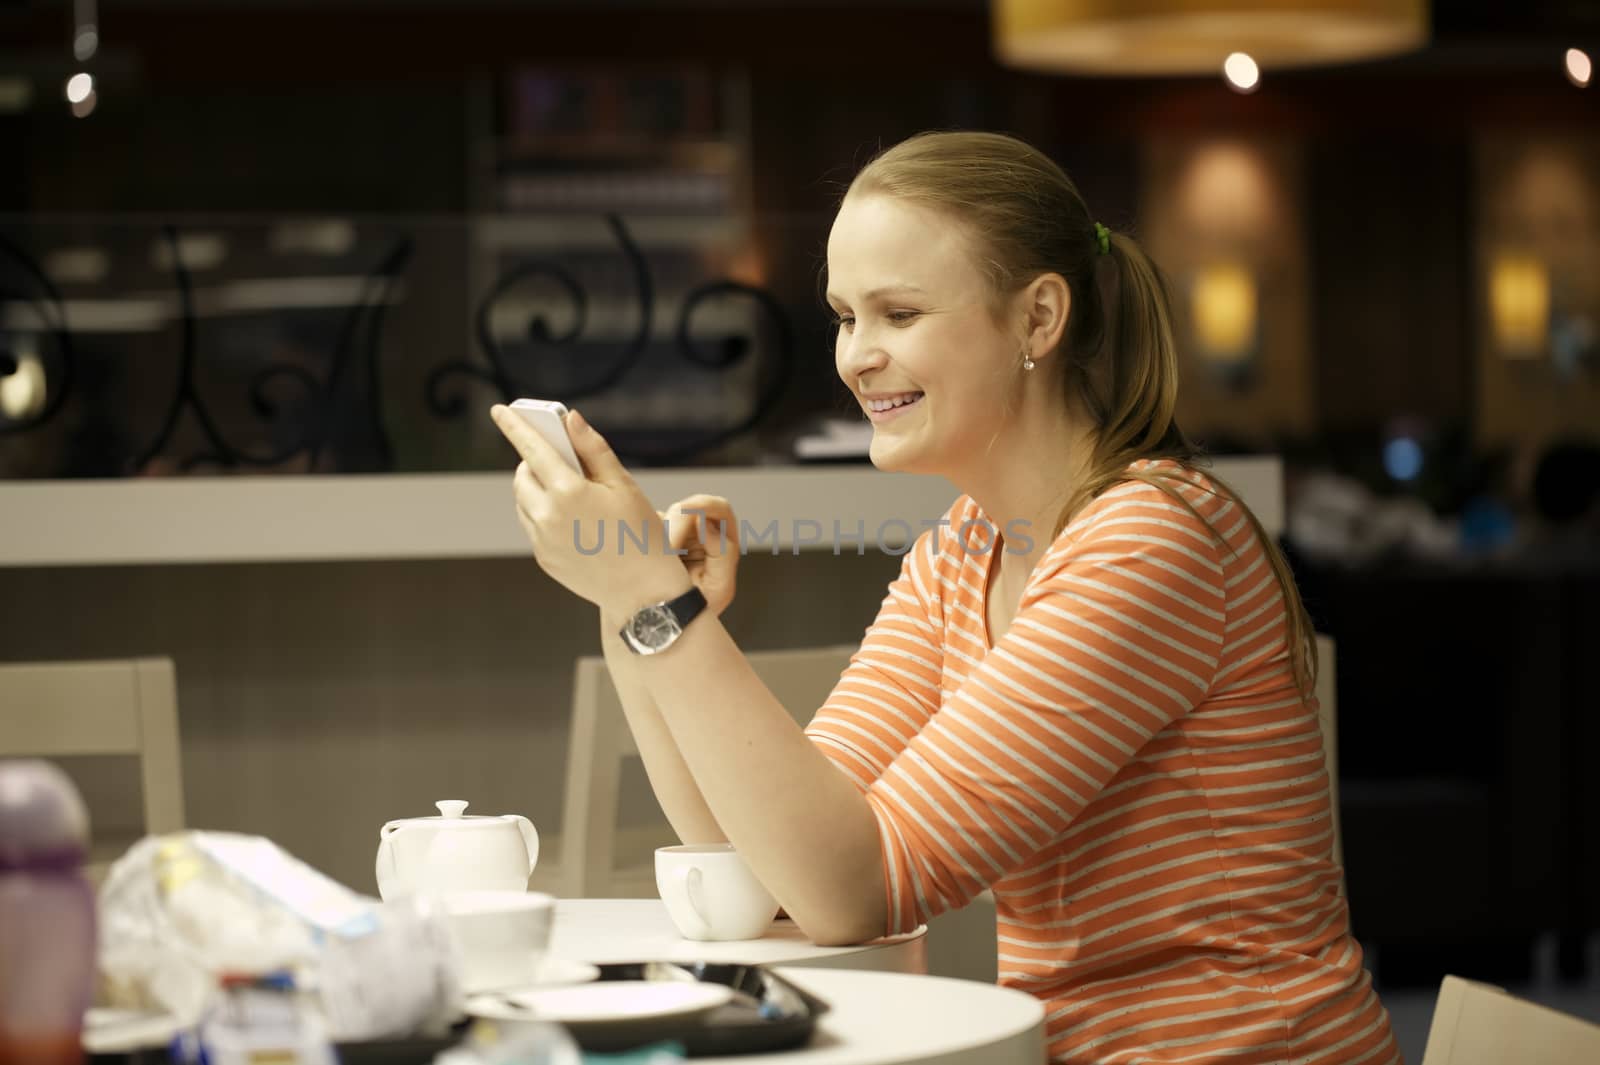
(887, 407)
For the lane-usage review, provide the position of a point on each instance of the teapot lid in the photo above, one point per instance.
(451, 815)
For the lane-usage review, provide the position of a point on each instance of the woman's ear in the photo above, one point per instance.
(1047, 303)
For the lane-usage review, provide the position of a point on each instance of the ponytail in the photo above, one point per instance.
(1135, 407)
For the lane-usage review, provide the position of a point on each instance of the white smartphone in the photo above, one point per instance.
(548, 419)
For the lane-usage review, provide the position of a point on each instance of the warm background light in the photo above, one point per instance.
(22, 392)
(197, 251)
(1241, 72)
(1226, 193)
(1223, 305)
(1579, 68)
(85, 43)
(1519, 306)
(16, 93)
(79, 87)
(1160, 37)
(77, 265)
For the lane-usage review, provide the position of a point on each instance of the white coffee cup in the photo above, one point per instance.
(711, 894)
(501, 936)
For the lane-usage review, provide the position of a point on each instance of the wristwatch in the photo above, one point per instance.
(656, 628)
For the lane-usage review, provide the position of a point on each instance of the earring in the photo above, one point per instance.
(1027, 363)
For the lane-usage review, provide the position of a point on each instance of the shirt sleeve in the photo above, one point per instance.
(891, 689)
(1118, 638)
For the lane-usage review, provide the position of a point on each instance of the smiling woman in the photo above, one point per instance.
(1090, 689)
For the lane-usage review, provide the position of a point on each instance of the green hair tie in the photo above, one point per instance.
(1103, 235)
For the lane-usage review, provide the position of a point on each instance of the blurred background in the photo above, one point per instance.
(263, 237)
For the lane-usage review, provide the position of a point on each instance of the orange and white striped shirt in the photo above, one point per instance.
(1133, 773)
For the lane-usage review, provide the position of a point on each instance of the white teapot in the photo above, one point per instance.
(451, 853)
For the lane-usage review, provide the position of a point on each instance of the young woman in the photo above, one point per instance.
(1089, 691)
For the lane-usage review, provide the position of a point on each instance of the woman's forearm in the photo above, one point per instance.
(670, 779)
(804, 827)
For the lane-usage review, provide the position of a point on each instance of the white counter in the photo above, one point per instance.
(332, 517)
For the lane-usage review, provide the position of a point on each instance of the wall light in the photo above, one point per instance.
(1519, 306)
(22, 390)
(1223, 305)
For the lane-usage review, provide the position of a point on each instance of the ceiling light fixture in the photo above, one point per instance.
(1241, 72)
(1173, 37)
(1579, 67)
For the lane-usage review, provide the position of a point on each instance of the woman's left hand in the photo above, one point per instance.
(586, 530)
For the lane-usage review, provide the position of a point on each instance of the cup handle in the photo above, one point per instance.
(686, 879)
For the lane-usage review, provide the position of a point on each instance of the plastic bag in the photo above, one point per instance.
(178, 912)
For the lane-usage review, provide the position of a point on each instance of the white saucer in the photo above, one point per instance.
(560, 972)
(552, 972)
(605, 1004)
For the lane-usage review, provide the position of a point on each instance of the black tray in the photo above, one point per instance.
(777, 1016)
(780, 1017)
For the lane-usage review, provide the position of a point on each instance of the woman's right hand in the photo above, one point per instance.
(703, 526)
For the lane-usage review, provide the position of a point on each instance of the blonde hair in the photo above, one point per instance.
(1025, 218)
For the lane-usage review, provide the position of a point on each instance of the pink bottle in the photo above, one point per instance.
(47, 916)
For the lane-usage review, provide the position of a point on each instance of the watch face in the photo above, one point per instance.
(654, 628)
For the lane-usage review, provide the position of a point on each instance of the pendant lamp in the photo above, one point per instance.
(1177, 37)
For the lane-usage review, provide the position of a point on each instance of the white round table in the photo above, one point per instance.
(877, 1018)
(601, 931)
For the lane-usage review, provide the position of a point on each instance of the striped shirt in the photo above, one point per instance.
(1132, 772)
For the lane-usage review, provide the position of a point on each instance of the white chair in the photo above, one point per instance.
(107, 707)
(1479, 1024)
(593, 864)
(1328, 717)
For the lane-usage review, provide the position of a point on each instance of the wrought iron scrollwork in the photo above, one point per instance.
(323, 412)
(500, 375)
(728, 351)
(320, 399)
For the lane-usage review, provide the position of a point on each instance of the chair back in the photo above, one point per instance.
(1328, 718)
(801, 678)
(1479, 1024)
(103, 707)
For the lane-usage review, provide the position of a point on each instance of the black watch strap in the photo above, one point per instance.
(687, 606)
(658, 626)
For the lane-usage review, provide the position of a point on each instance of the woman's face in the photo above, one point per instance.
(917, 343)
